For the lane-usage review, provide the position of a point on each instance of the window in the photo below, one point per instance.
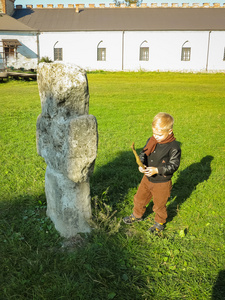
(101, 54)
(186, 52)
(58, 55)
(9, 52)
(144, 51)
(101, 51)
(10, 48)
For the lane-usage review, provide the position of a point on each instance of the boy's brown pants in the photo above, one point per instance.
(160, 192)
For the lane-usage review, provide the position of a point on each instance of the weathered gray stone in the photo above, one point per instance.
(68, 146)
(63, 90)
(67, 140)
(68, 203)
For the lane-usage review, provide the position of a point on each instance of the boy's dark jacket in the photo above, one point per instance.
(165, 157)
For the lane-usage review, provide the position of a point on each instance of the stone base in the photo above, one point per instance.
(68, 203)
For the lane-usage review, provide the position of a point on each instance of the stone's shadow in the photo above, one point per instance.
(187, 182)
(218, 292)
(96, 261)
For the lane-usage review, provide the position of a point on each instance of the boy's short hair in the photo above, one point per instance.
(163, 120)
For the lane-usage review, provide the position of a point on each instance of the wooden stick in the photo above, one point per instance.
(137, 157)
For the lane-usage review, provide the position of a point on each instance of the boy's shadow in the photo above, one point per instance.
(117, 178)
(187, 182)
(218, 292)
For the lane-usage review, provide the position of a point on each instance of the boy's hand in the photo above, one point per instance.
(150, 171)
(141, 169)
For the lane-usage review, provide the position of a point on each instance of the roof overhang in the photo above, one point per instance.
(12, 43)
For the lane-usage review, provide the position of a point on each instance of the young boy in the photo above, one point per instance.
(161, 158)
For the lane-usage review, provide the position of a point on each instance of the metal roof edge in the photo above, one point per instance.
(124, 30)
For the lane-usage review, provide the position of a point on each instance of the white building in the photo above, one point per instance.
(18, 44)
(189, 39)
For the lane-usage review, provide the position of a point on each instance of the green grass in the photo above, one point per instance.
(117, 261)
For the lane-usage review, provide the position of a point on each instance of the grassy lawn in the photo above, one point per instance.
(118, 261)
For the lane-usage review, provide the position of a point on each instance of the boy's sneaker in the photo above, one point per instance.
(157, 227)
(131, 219)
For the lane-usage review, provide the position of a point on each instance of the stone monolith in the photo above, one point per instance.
(67, 140)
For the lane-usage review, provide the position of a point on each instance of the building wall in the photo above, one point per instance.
(27, 57)
(10, 7)
(217, 51)
(7, 7)
(81, 48)
(123, 50)
(165, 50)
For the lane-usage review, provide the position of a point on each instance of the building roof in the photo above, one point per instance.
(11, 43)
(129, 19)
(8, 23)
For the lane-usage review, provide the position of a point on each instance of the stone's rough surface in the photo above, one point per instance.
(67, 140)
(82, 151)
(63, 90)
(68, 203)
(68, 146)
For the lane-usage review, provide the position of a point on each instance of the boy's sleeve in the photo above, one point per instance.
(143, 156)
(173, 164)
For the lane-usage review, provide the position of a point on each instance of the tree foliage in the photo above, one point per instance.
(128, 2)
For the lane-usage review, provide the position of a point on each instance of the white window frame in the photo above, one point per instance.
(186, 51)
(101, 52)
(144, 51)
(58, 54)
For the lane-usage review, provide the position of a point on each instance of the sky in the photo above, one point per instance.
(97, 2)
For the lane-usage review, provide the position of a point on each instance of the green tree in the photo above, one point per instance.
(128, 2)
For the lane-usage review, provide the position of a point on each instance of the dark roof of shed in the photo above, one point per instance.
(66, 19)
(8, 23)
(11, 43)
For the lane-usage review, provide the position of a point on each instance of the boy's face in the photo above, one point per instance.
(160, 135)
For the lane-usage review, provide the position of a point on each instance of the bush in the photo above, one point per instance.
(45, 59)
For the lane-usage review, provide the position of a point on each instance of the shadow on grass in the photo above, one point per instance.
(106, 267)
(121, 175)
(187, 182)
(218, 292)
(34, 265)
(117, 177)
